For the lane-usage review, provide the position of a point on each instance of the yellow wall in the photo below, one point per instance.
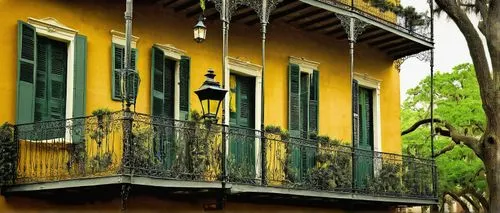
(152, 24)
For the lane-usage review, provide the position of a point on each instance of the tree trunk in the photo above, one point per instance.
(491, 159)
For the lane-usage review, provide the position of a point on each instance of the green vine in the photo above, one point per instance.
(7, 154)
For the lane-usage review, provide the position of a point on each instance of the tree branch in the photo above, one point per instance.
(457, 199)
(474, 204)
(470, 142)
(479, 197)
(418, 124)
(476, 50)
(445, 149)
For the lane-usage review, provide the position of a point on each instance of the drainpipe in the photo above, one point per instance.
(128, 51)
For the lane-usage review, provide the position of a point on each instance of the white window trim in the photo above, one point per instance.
(52, 28)
(118, 37)
(246, 68)
(305, 65)
(175, 54)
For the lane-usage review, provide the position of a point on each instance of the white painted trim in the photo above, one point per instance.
(171, 51)
(175, 54)
(305, 65)
(118, 37)
(53, 29)
(247, 68)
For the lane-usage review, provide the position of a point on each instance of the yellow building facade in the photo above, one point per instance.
(166, 26)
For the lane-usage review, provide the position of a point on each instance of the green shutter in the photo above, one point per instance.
(80, 76)
(117, 53)
(294, 100)
(26, 57)
(157, 84)
(304, 105)
(57, 80)
(79, 87)
(314, 103)
(117, 64)
(169, 87)
(42, 75)
(355, 113)
(184, 87)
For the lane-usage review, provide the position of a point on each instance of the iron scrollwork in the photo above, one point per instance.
(357, 25)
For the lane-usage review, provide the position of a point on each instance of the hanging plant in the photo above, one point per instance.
(411, 17)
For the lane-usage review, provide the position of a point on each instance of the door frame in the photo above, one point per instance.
(246, 68)
(367, 81)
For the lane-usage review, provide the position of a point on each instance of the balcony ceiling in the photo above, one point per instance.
(388, 38)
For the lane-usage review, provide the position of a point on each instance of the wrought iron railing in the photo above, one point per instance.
(139, 145)
(400, 22)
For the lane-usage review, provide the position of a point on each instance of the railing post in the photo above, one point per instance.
(224, 156)
(263, 160)
(127, 157)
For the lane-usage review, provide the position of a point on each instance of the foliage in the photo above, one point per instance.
(333, 170)
(388, 179)
(412, 18)
(456, 100)
(8, 154)
(104, 120)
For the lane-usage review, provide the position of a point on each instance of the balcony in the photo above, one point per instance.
(113, 149)
(386, 31)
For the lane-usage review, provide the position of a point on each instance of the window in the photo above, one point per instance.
(118, 61)
(366, 127)
(51, 71)
(303, 91)
(50, 86)
(170, 74)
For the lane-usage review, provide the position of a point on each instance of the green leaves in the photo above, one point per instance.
(202, 5)
(457, 101)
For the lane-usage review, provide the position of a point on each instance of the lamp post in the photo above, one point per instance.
(210, 94)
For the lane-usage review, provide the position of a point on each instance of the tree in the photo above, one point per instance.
(457, 101)
(487, 145)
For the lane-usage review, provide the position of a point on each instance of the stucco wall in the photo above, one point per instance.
(155, 25)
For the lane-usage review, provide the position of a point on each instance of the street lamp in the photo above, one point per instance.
(200, 30)
(210, 94)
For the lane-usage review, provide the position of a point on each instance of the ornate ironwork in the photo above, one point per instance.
(263, 8)
(422, 32)
(163, 148)
(358, 26)
(424, 56)
(231, 7)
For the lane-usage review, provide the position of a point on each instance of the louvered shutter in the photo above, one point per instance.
(304, 105)
(117, 65)
(184, 76)
(157, 84)
(79, 86)
(57, 81)
(42, 75)
(314, 103)
(80, 76)
(355, 113)
(169, 88)
(246, 105)
(294, 100)
(26, 57)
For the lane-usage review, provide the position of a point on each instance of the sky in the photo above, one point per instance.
(450, 50)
